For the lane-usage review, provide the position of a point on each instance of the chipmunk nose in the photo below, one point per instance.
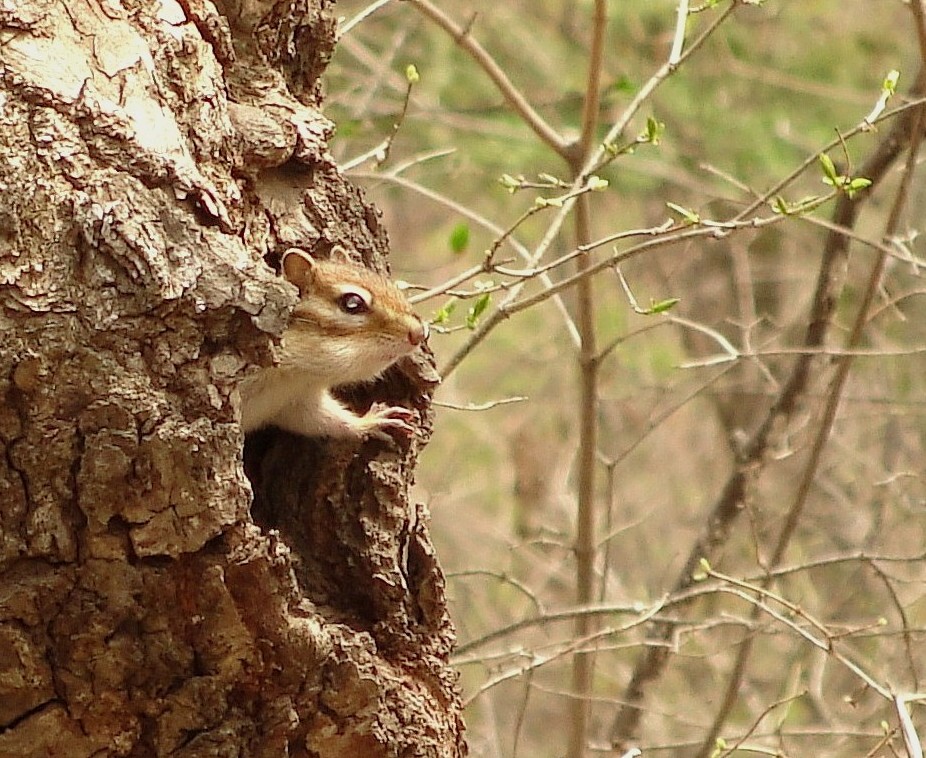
(417, 333)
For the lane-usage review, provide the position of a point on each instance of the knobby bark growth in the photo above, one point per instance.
(151, 153)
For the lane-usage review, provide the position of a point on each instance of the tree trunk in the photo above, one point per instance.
(150, 154)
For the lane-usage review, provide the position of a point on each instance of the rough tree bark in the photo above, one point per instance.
(151, 153)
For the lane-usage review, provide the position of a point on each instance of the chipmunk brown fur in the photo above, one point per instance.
(349, 325)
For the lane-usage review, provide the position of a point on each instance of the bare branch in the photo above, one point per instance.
(831, 405)
(505, 234)
(481, 406)
(665, 71)
(512, 95)
(592, 101)
(726, 509)
(678, 41)
(361, 16)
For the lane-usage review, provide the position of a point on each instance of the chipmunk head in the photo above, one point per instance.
(350, 323)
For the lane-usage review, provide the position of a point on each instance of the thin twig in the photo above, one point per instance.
(529, 258)
(600, 157)
(505, 579)
(823, 643)
(727, 507)
(664, 236)
(574, 645)
(567, 614)
(681, 21)
(522, 711)
(875, 167)
(481, 406)
(915, 101)
(361, 16)
(676, 599)
(758, 720)
(910, 738)
(512, 95)
(830, 408)
(596, 160)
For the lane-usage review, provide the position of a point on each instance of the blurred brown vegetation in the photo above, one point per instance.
(767, 91)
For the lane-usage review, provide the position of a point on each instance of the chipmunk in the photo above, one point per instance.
(349, 325)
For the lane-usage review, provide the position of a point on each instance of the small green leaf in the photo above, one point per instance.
(509, 183)
(477, 309)
(597, 184)
(888, 88)
(857, 184)
(459, 238)
(662, 306)
(689, 215)
(889, 85)
(829, 170)
(411, 74)
(847, 184)
(442, 314)
(703, 572)
(720, 747)
(654, 131)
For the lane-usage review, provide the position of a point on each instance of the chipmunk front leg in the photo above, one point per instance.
(326, 416)
(384, 421)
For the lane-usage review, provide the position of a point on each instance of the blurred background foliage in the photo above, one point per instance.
(769, 89)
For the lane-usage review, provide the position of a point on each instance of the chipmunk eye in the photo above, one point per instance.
(353, 303)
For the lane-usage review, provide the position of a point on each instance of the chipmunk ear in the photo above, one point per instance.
(339, 254)
(298, 267)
